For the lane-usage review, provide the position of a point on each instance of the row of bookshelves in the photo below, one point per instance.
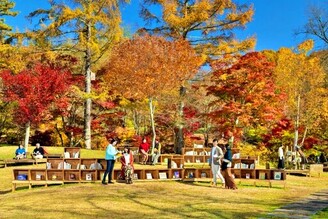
(52, 176)
(96, 175)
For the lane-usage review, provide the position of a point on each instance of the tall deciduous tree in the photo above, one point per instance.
(35, 90)
(88, 29)
(146, 66)
(246, 92)
(207, 25)
(302, 78)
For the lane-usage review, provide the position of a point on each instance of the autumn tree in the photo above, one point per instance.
(317, 25)
(6, 7)
(207, 25)
(34, 90)
(144, 67)
(84, 28)
(246, 93)
(302, 78)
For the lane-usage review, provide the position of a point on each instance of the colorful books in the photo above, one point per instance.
(176, 175)
(277, 175)
(261, 175)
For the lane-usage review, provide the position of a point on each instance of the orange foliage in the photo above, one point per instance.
(144, 67)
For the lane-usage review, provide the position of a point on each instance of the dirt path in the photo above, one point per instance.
(304, 208)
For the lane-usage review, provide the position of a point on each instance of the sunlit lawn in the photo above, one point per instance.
(154, 199)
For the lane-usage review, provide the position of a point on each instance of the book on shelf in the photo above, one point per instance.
(203, 175)
(244, 166)
(248, 175)
(176, 175)
(261, 175)
(162, 175)
(252, 166)
(38, 177)
(72, 176)
(277, 175)
(190, 175)
(149, 176)
(88, 176)
(135, 176)
(237, 166)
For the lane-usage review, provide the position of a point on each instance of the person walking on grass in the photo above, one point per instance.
(226, 168)
(110, 157)
(215, 163)
(281, 161)
(127, 167)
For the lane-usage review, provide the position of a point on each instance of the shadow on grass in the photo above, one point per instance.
(5, 191)
(239, 185)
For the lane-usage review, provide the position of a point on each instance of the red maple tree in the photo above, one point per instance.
(36, 90)
(245, 93)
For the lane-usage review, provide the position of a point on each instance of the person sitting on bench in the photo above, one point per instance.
(20, 152)
(38, 152)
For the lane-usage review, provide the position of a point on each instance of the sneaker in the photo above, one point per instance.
(104, 183)
(110, 182)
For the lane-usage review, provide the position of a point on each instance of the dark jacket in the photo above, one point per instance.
(40, 150)
(227, 156)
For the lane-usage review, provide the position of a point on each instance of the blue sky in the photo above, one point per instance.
(274, 22)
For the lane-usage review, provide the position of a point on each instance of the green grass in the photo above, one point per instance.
(8, 152)
(152, 199)
(321, 214)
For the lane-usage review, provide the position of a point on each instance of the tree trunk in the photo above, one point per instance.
(135, 122)
(27, 135)
(297, 121)
(304, 136)
(152, 121)
(88, 102)
(60, 135)
(179, 140)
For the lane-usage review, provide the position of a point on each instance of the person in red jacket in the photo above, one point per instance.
(127, 167)
(144, 148)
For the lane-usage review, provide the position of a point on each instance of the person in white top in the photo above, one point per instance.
(281, 162)
(215, 163)
(127, 167)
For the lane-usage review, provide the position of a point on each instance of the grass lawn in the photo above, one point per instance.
(152, 199)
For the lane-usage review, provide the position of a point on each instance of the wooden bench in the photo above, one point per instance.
(32, 161)
(305, 172)
(53, 156)
(19, 161)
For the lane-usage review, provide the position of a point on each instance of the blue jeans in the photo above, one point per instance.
(109, 170)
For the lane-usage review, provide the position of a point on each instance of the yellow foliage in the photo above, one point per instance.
(306, 46)
(208, 18)
(301, 76)
(126, 132)
(223, 77)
